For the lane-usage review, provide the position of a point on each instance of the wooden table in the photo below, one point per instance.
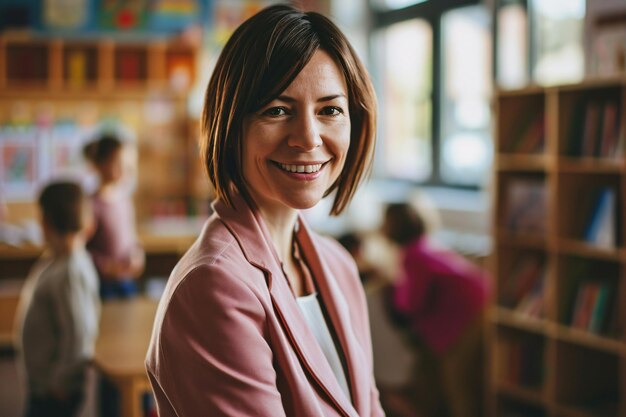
(125, 329)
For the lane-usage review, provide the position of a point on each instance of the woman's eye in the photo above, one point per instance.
(275, 111)
(332, 111)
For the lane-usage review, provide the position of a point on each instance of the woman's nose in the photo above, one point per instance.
(306, 134)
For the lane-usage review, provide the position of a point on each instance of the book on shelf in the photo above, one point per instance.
(521, 361)
(531, 135)
(591, 128)
(576, 127)
(592, 303)
(601, 229)
(28, 63)
(595, 129)
(130, 66)
(532, 304)
(610, 130)
(526, 206)
(77, 67)
(523, 290)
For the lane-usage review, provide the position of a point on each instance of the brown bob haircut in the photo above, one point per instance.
(259, 61)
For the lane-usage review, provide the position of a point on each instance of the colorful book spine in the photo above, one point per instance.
(602, 225)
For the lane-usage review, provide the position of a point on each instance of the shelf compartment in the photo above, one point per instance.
(131, 64)
(587, 379)
(589, 207)
(588, 301)
(590, 122)
(80, 65)
(521, 127)
(520, 359)
(522, 281)
(27, 64)
(524, 207)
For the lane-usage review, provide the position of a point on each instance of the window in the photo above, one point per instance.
(404, 93)
(512, 45)
(433, 64)
(433, 74)
(558, 41)
(465, 156)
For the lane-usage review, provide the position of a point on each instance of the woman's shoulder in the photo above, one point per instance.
(214, 260)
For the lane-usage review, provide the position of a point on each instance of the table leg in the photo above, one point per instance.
(131, 393)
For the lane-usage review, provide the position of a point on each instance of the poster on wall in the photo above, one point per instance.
(122, 14)
(172, 15)
(65, 14)
(18, 164)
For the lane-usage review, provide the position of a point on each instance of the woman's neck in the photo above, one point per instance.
(280, 224)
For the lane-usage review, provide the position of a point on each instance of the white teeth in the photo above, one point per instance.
(301, 168)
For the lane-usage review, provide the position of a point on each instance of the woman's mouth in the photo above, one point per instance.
(300, 169)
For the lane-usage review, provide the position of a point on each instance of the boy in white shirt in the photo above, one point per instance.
(59, 308)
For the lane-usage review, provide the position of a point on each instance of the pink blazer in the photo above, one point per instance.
(229, 338)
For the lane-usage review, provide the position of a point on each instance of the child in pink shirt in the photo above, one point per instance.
(442, 297)
(114, 246)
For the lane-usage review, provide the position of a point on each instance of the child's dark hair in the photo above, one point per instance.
(102, 148)
(351, 241)
(62, 206)
(403, 223)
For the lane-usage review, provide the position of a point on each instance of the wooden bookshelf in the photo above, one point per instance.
(143, 85)
(559, 240)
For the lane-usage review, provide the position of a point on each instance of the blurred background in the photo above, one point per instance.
(445, 72)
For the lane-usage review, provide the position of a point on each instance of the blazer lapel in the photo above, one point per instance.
(250, 231)
(335, 303)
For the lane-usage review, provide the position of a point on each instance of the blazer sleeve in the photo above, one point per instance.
(214, 358)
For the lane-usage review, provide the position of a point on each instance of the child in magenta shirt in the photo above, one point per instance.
(442, 297)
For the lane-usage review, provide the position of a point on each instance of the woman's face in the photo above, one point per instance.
(294, 148)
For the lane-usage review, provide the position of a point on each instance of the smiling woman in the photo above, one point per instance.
(263, 317)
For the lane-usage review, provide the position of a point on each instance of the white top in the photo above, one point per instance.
(310, 307)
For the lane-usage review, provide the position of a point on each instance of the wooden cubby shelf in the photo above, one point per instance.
(34, 63)
(559, 258)
(56, 92)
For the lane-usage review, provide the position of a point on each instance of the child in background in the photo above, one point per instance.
(443, 298)
(59, 308)
(114, 246)
(393, 357)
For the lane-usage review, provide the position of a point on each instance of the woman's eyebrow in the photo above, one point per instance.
(289, 99)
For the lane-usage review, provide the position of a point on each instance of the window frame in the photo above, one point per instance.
(432, 12)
